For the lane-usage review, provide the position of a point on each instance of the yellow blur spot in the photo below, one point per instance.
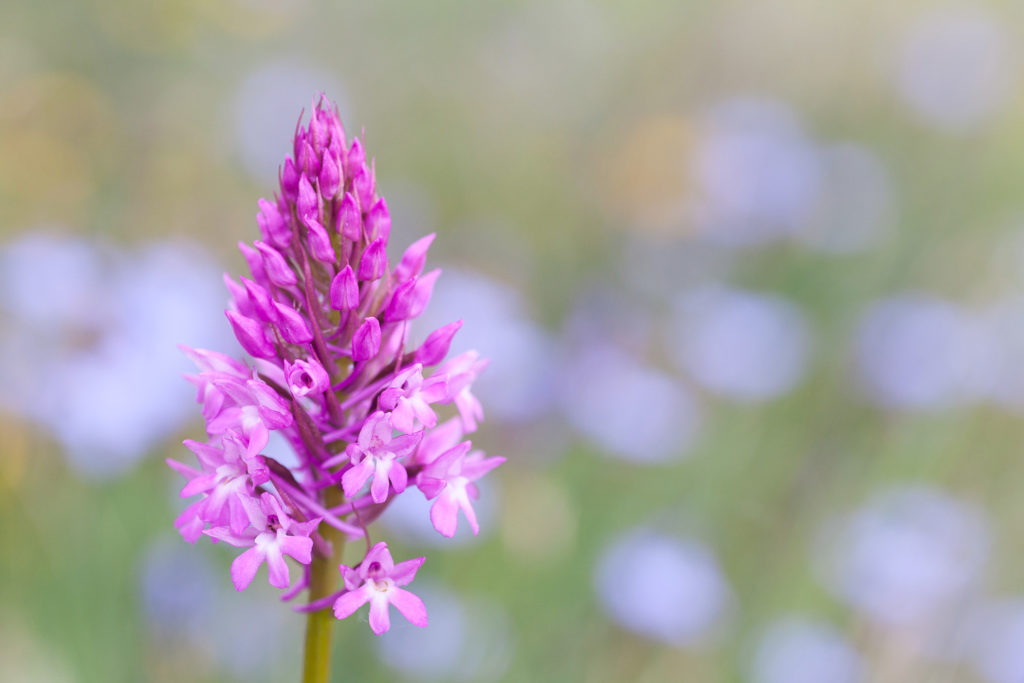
(645, 176)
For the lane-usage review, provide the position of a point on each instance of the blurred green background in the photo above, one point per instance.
(750, 275)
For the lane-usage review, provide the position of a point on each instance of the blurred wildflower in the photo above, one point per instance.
(85, 321)
(993, 640)
(668, 589)
(799, 650)
(957, 67)
(907, 557)
(917, 352)
(327, 320)
(757, 174)
(742, 345)
(626, 409)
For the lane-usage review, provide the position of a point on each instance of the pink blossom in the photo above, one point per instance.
(378, 581)
(409, 398)
(448, 480)
(376, 454)
(281, 536)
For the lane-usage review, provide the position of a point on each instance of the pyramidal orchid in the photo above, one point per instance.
(325, 319)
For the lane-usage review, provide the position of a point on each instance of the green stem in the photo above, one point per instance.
(323, 580)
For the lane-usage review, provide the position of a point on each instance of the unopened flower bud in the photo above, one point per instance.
(436, 346)
(252, 335)
(374, 261)
(366, 340)
(290, 181)
(274, 265)
(273, 225)
(330, 177)
(344, 290)
(378, 221)
(349, 221)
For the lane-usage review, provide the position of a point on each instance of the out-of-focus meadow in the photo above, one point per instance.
(751, 276)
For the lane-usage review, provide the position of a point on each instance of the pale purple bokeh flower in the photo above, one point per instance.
(668, 589)
(757, 173)
(907, 557)
(85, 320)
(743, 345)
(957, 67)
(918, 352)
(802, 650)
(626, 409)
(992, 642)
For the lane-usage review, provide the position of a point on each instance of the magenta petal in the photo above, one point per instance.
(437, 344)
(277, 567)
(380, 554)
(444, 515)
(379, 486)
(349, 602)
(404, 572)
(255, 261)
(380, 620)
(413, 259)
(398, 476)
(474, 469)
(402, 417)
(430, 486)
(356, 477)
(298, 547)
(244, 568)
(467, 509)
(411, 607)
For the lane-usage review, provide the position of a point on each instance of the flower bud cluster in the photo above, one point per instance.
(326, 319)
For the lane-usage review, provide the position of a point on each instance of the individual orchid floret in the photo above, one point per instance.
(252, 409)
(462, 371)
(409, 398)
(306, 376)
(448, 480)
(378, 581)
(281, 536)
(226, 483)
(377, 454)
